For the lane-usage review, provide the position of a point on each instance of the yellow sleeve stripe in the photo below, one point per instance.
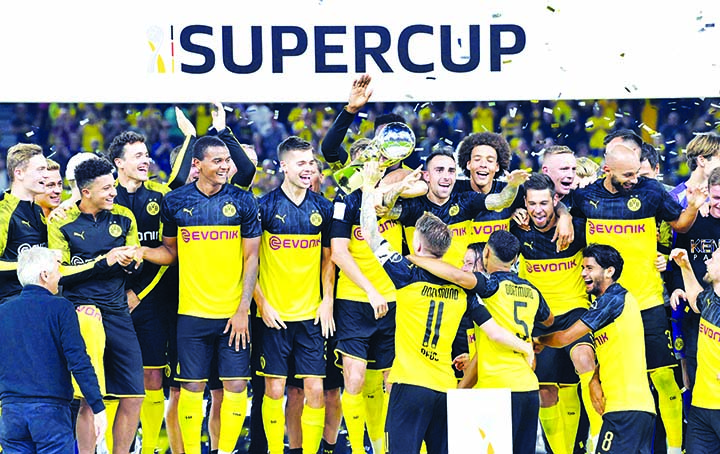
(153, 283)
(69, 270)
(7, 208)
(7, 266)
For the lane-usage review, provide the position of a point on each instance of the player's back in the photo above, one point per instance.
(516, 305)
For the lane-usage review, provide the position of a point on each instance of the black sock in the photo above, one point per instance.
(295, 451)
(327, 448)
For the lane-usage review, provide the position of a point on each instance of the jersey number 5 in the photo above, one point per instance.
(519, 321)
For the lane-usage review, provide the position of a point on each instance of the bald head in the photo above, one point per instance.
(622, 165)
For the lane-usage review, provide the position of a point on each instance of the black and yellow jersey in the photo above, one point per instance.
(707, 387)
(145, 205)
(293, 237)
(558, 275)
(516, 305)
(429, 311)
(83, 239)
(488, 221)
(346, 224)
(209, 231)
(628, 222)
(617, 327)
(22, 226)
(456, 213)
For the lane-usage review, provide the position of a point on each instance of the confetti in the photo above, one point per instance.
(622, 54)
(276, 115)
(618, 115)
(589, 124)
(430, 77)
(483, 126)
(512, 111)
(627, 90)
(50, 155)
(251, 109)
(555, 125)
(416, 107)
(447, 141)
(29, 133)
(551, 9)
(559, 95)
(228, 108)
(418, 148)
(491, 104)
(673, 153)
(507, 61)
(250, 122)
(425, 105)
(496, 15)
(362, 115)
(547, 110)
(328, 109)
(581, 103)
(525, 126)
(83, 122)
(711, 25)
(669, 142)
(714, 105)
(459, 130)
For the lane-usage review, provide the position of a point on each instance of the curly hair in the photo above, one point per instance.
(491, 139)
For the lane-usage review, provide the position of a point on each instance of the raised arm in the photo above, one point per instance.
(505, 198)
(183, 161)
(331, 146)
(245, 166)
(692, 286)
(696, 198)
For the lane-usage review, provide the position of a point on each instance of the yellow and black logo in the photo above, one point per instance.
(679, 344)
(454, 210)
(634, 204)
(152, 208)
(316, 219)
(115, 230)
(229, 210)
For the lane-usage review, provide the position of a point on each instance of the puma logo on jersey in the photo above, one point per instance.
(529, 245)
(81, 235)
(594, 203)
(26, 223)
(282, 218)
(188, 210)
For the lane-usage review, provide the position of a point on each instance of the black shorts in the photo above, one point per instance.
(333, 374)
(554, 365)
(525, 412)
(362, 337)
(626, 432)
(417, 414)
(658, 338)
(302, 342)
(703, 430)
(152, 324)
(198, 340)
(122, 360)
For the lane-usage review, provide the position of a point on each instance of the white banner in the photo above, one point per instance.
(310, 50)
(479, 421)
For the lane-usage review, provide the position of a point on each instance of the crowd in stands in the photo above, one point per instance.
(529, 126)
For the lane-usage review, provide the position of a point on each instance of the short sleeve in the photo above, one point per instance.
(603, 311)
(543, 312)
(250, 221)
(169, 226)
(478, 312)
(668, 209)
(486, 285)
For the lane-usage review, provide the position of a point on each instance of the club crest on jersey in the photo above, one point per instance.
(679, 344)
(315, 219)
(115, 230)
(454, 210)
(152, 208)
(229, 210)
(634, 204)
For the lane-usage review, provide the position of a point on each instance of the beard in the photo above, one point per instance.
(618, 186)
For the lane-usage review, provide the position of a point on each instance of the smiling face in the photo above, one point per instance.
(597, 279)
(483, 165)
(33, 175)
(99, 195)
(53, 190)
(135, 161)
(440, 175)
(622, 168)
(540, 207)
(712, 273)
(214, 168)
(299, 168)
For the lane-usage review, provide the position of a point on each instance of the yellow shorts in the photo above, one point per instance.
(93, 332)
